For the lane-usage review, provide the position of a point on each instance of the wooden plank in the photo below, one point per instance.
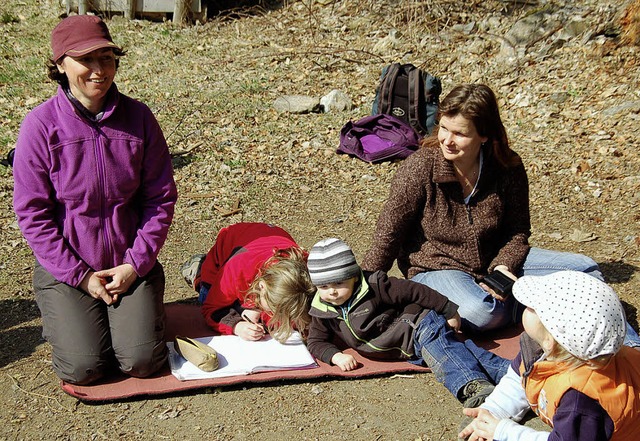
(181, 11)
(130, 9)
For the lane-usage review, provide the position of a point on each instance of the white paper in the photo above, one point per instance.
(241, 357)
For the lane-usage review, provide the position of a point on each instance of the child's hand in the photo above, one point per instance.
(468, 430)
(251, 315)
(346, 362)
(455, 322)
(249, 331)
(482, 427)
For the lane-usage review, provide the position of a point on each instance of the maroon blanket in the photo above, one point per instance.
(185, 319)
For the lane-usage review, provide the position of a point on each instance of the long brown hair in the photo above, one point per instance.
(477, 103)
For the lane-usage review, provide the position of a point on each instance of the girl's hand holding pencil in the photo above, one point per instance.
(250, 327)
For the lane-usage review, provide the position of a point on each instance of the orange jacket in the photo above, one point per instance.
(616, 387)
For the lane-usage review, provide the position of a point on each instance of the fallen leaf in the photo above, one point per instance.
(582, 236)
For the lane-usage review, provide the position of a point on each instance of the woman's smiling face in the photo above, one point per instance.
(459, 140)
(90, 76)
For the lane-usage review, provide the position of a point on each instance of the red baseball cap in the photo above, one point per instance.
(78, 35)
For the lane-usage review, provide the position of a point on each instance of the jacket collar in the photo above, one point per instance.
(71, 105)
(443, 171)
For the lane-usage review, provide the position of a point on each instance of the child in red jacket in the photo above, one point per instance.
(254, 280)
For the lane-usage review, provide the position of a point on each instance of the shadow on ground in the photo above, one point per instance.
(18, 341)
(617, 272)
(620, 272)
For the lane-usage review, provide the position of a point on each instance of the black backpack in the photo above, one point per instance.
(410, 94)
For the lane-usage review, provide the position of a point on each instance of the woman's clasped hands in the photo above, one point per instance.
(109, 284)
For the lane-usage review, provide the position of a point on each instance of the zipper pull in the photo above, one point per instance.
(469, 215)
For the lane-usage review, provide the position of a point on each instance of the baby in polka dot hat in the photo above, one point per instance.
(582, 313)
(572, 370)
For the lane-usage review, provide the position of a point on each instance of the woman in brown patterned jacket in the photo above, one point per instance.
(458, 209)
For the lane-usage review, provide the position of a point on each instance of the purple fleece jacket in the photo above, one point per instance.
(93, 195)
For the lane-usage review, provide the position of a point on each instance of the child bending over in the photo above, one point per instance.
(254, 280)
(389, 318)
(572, 370)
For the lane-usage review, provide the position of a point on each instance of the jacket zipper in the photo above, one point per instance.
(101, 181)
(345, 317)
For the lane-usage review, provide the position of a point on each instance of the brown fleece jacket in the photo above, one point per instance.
(426, 225)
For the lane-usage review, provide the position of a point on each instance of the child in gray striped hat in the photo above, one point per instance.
(386, 317)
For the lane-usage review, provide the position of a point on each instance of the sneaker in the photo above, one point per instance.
(475, 392)
(191, 269)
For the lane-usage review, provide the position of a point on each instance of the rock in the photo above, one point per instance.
(528, 29)
(466, 28)
(297, 104)
(479, 47)
(559, 97)
(385, 43)
(582, 236)
(631, 106)
(574, 27)
(336, 101)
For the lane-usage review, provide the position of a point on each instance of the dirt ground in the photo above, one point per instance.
(570, 103)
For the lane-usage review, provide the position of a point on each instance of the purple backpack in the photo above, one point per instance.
(378, 138)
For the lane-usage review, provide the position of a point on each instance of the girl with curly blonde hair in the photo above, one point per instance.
(254, 281)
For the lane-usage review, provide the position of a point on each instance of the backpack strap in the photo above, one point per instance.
(416, 99)
(432, 91)
(386, 88)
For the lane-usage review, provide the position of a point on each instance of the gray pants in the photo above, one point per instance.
(88, 337)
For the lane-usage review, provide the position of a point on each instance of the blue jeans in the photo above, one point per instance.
(203, 292)
(480, 311)
(453, 362)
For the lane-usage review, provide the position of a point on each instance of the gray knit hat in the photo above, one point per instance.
(330, 261)
(582, 313)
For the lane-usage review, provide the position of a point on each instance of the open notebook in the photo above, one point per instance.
(241, 357)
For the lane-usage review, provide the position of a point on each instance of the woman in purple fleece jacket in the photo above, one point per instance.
(94, 195)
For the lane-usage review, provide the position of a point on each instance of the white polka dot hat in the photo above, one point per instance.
(582, 313)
